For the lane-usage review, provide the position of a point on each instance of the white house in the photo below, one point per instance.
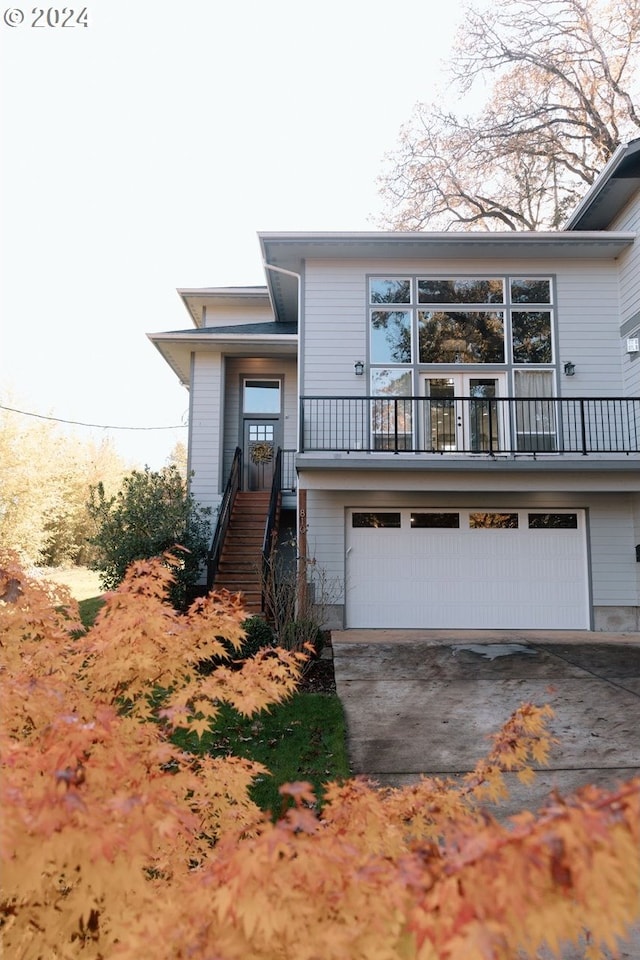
(458, 415)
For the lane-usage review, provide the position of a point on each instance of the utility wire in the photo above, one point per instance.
(79, 423)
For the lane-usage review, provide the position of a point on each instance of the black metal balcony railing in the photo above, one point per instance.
(471, 425)
(289, 479)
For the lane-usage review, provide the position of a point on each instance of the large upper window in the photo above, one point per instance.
(423, 322)
(461, 291)
(456, 320)
(469, 337)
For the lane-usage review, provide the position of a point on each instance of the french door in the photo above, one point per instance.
(462, 413)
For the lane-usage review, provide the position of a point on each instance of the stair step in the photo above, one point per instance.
(240, 566)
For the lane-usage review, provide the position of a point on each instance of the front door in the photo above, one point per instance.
(261, 407)
(462, 413)
(259, 453)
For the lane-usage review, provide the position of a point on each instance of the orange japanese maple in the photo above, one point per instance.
(116, 843)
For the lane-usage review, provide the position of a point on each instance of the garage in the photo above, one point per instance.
(467, 569)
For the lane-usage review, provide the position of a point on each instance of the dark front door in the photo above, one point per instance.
(260, 446)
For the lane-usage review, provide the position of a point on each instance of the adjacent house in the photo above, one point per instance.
(450, 421)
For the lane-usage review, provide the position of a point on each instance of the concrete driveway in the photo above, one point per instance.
(426, 701)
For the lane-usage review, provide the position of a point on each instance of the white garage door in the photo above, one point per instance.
(474, 569)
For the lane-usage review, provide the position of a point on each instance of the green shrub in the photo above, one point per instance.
(152, 513)
(259, 634)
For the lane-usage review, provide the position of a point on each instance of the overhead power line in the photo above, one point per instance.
(79, 423)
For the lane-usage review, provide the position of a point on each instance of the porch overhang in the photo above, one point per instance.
(177, 348)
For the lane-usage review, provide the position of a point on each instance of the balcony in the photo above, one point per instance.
(446, 426)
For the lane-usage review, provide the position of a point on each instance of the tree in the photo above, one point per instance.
(564, 82)
(152, 512)
(115, 843)
(45, 478)
(179, 458)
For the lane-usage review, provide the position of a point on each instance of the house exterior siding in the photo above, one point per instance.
(333, 328)
(466, 431)
(630, 299)
(205, 436)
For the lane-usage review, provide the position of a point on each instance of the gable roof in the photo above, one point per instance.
(610, 192)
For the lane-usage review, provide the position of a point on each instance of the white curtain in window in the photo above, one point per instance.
(534, 383)
(535, 411)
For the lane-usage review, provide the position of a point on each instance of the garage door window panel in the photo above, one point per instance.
(375, 520)
(435, 521)
(493, 521)
(553, 521)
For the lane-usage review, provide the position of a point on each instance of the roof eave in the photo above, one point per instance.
(586, 212)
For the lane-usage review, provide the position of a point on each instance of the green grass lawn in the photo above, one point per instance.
(89, 609)
(301, 739)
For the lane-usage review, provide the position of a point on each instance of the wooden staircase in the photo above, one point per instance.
(240, 566)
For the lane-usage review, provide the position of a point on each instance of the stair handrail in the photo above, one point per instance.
(224, 515)
(270, 523)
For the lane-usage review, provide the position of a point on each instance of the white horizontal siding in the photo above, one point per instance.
(635, 507)
(227, 315)
(629, 261)
(630, 294)
(334, 333)
(206, 400)
(615, 579)
(325, 540)
(588, 328)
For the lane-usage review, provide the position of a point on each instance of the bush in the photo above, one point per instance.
(152, 513)
(299, 632)
(259, 635)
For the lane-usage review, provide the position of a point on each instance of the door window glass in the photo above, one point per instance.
(261, 396)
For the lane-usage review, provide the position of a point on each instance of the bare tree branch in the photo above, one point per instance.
(565, 91)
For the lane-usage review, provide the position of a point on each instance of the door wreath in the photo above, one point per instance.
(261, 453)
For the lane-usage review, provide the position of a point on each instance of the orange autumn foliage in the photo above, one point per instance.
(117, 844)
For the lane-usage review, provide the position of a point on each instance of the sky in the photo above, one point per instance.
(144, 152)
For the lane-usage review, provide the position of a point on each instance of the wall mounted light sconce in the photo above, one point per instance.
(359, 368)
(569, 369)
